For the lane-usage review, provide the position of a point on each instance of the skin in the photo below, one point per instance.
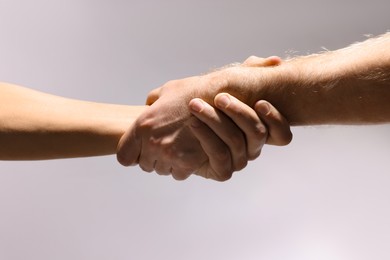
(38, 126)
(272, 128)
(346, 86)
(166, 152)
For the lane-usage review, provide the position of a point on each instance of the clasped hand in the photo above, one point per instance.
(190, 128)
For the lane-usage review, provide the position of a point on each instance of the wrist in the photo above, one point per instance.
(274, 84)
(245, 83)
(292, 88)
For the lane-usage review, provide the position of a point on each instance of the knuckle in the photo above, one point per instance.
(123, 160)
(221, 174)
(225, 176)
(162, 172)
(180, 176)
(254, 155)
(259, 130)
(286, 138)
(241, 164)
(146, 169)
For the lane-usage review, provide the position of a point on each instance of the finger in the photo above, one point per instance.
(246, 119)
(279, 132)
(178, 173)
(219, 154)
(129, 148)
(153, 96)
(208, 173)
(180, 176)
(254, 61)
(224, 128)
(146, 163)
(162, 168)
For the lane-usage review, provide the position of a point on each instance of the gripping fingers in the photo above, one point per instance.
(224, 128)
(245, 118)
(219, 156)
(278, 127)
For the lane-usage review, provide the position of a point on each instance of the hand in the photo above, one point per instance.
(252, 61)
(273, 128)
(156, 139)
(161, 139)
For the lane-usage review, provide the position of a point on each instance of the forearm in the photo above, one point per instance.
(347, 86)
(37, 125)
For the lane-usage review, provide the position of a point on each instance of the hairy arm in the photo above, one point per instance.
(36, 125)
(346, 86)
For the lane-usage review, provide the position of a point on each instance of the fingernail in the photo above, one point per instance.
(196, 105)
(223, 101)
(263, 108)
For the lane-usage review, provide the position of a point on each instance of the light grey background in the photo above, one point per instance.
(326, 196)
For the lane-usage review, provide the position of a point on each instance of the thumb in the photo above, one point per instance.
(254, 61)
(153, 96)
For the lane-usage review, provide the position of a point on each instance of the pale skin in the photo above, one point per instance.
(346, 86)
(37, 126)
